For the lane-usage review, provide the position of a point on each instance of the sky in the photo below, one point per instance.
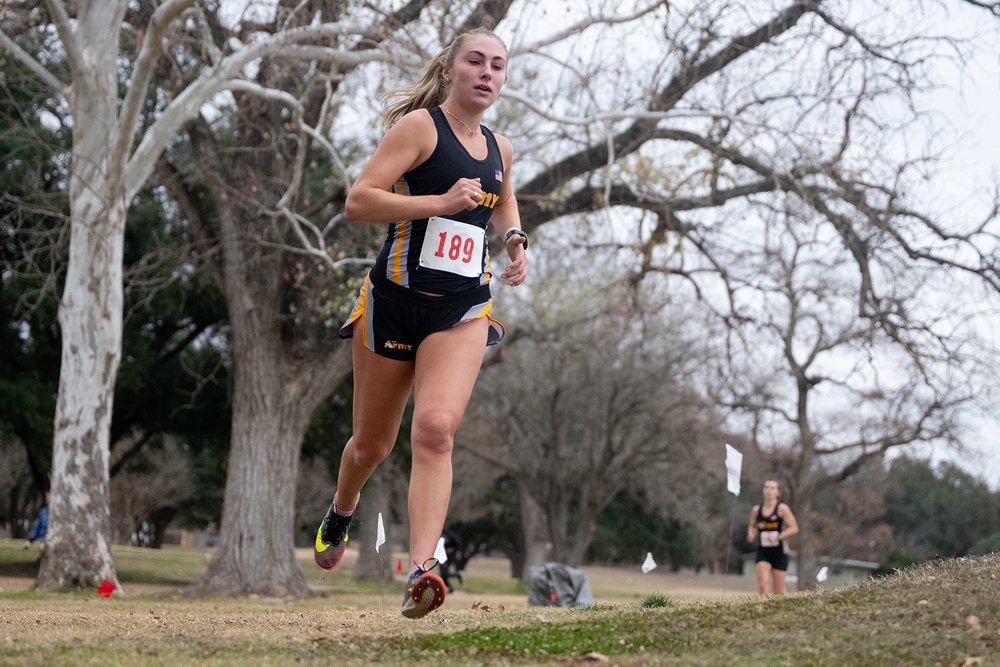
(971, 104)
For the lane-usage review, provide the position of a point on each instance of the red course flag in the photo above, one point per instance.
(106, 588)
(399, 566)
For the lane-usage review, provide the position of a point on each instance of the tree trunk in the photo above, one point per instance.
(806, 561)
(372, 565)
(256, 552)
(276, 389)
(283, 370)
(271, 412)
(77, 552)
(537, 548)
(583, 535)
(518, 564)
(77, 546)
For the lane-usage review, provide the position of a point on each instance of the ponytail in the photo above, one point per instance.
(431, 90)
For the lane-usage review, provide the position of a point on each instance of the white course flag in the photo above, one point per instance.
(379, 534)
(649, 564)
(734, 466)
(440, 553)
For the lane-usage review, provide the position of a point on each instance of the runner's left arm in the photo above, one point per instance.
(506, 217)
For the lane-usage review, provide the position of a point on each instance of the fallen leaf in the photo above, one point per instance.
(594, 656)
(973, 622)
(973, 662)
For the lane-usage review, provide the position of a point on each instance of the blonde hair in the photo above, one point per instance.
(431, 90)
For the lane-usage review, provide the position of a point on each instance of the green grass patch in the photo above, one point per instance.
(490, 585)
(169, 565)
(941, 613)
(655, 601)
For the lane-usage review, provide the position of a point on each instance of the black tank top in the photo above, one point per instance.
(770, 523)
(399, 260)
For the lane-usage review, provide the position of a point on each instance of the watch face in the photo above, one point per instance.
(516, 232)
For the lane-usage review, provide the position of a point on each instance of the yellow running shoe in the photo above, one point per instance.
(331, 539)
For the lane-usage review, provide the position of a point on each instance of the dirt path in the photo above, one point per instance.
(154, 620)
(610, 585)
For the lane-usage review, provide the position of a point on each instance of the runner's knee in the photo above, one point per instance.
(433, 432)
(368, 454)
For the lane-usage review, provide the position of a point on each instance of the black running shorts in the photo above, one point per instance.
(394, 320)
(776, 556)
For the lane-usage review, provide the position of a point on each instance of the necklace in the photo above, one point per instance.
(471, 131)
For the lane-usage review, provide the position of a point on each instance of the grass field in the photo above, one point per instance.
(942, 613)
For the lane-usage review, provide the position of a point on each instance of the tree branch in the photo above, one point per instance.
(142, 73)
(225, 75)
(632, 138)
(74, 53)
(47, 77)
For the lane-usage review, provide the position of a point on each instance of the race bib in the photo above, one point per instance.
(769, 538)
(452, 246)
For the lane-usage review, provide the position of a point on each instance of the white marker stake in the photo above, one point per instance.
(734, 466)
(649, 564)
(440, 553)
(380, 534)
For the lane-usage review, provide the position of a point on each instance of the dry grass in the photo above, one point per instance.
(944, 613)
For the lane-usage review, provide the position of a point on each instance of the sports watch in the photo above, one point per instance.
(512, 232)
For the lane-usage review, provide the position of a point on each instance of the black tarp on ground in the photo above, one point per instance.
(558, 585)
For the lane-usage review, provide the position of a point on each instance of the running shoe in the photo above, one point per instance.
(425, 592)
(331, 539)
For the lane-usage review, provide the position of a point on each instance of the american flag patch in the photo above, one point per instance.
(499, 175)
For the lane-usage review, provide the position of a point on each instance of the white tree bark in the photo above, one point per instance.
(77, 550)
(106, 174)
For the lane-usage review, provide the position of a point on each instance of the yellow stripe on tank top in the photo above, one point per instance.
(402, 232)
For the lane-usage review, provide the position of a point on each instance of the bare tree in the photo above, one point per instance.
(824, 392)
(690, 488)
(590, 395)
(794, 110)
(857, 527)
(14, 477)
(157, 481)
